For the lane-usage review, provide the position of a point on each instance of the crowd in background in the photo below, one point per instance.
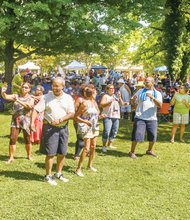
(164, 83)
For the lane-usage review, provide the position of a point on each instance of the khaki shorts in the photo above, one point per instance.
(180, 119)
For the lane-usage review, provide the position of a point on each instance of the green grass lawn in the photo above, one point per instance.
(147, 188)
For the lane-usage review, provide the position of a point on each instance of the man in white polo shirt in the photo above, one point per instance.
(58, 108)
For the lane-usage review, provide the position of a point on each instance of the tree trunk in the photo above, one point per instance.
(9, 60)
(173, 30)
(185, 66)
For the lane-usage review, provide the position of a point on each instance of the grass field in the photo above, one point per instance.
(147, 188)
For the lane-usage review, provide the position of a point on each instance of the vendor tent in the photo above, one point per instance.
(98, 67)
(161, 69)
(29, 65)
(75, 65)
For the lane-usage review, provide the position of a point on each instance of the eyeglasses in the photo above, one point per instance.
(25, 87)
(111, 88)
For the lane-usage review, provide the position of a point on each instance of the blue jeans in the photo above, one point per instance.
(111, 126)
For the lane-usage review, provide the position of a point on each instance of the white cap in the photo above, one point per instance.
(120, 81)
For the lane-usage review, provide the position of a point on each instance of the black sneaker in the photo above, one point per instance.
(61, 177)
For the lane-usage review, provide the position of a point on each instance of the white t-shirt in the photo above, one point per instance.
(55, 107)
(147, 109)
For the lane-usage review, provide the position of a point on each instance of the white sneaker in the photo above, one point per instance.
(104, 150)
(50, 180)
(93, 169)
(79, 173)
(61, 177)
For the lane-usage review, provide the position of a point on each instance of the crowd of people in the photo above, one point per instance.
(43, 116)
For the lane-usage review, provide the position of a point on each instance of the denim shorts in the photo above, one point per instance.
(140, 127)
(54, 140)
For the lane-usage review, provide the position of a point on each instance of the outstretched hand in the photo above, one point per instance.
(102, 116)
(32, 127)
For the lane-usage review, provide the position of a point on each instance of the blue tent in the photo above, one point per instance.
(161, 69)
(98, 67)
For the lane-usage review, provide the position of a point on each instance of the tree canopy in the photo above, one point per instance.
(73, 26)
(55, 26)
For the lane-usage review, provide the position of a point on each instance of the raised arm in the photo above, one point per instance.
(104, 103)
(6, 96)
(172, 102)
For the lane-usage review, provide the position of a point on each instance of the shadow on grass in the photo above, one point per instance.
(6, 157)
(3, 157)
(71, 144)
(67, 169)
(20, 140)
(5, 113)
(18, 175)
(163, 134)
(5, 136)
(113, 153)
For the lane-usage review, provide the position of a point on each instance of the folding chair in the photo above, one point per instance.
(164, 113)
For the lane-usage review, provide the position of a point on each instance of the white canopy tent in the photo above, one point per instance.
(131, 69)
(29, 65)
(75, 65)
(161, 69)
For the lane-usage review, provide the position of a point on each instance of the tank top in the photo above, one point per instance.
(91, 114)
(113, 110)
